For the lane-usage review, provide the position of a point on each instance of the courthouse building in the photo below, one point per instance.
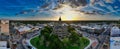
(60, 30)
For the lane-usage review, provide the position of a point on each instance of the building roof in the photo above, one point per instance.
(24, 28)
(3, 45)
(94, 44)
(115, 30)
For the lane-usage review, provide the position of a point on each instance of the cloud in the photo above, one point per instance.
(101, 3)
(92, 2)
(109, 1)
(110, 8)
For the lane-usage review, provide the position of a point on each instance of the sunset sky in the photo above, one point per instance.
(53, 9)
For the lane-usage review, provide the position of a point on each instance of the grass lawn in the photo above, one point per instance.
(83, 44)
(36, 44)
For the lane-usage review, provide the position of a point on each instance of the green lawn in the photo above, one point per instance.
(35, 43)
(51, 41)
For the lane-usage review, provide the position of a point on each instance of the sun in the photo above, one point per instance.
(67, 18)
(69, 13)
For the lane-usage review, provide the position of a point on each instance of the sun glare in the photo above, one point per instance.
(68, 18)
(68, 13)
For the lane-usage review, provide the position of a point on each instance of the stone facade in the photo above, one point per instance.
(60, 30)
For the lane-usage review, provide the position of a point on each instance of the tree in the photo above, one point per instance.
(45, 33)
(55, 42)
(119, 21)
(46, 30)
(70, 29)
(37, 43)
(85, 41)
(66, 42)
(105, 46)
(74, 37)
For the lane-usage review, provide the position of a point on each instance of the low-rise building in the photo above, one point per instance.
(115, 31)
(4, 27)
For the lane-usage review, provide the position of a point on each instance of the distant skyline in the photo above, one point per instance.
(53, 9)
